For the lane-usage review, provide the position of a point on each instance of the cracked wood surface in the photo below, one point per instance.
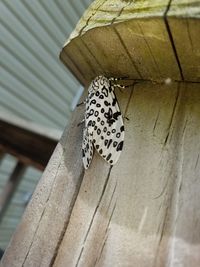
(40, 231)
(143, 211)
(150, 40)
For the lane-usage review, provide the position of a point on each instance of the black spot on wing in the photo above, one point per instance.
(116, 115)
(118, 135)
(98, 131)
(106, 103)
(120, 146)
(114, 144)
(93, 101)
(101, 96)
(91, 111)
(109, 156)
(96, 113)
(109, 143)
(105, 91)
(114, 101)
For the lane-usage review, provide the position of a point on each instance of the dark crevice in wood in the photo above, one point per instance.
(189, 35)
(93, 56)
(101, 251)
(91, 68)
(119, 13)
(42, 214)
(163, 190)
(72, 203)
(127, 52)
(129, 100)
(94, 214)
(150, 51)
(103, 191)
(163, 226)
(111, 197)
(106, 232)
(87, 22)
(155, 124)
(172, 40)
(172, 115)
(197, 161)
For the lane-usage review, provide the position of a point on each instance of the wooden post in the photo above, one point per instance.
(145, 210)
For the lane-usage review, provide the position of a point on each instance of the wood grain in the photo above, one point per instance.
(133, 214)
(186, 38)
(149, 40)
(38, 235)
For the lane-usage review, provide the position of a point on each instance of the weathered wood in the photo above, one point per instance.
(10, 187)
(30, 143)
(142, 211)
(142, 40)
(37, 237)
(186, 37)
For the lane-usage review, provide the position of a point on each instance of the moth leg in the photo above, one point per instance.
(126, 118)
(117, 79)
(80, 104)
(119, 86)
(81, 122)
(122, 86)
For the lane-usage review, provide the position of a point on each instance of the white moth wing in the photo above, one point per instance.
(106, 120)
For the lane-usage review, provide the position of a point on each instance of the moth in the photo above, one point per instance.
(104, 127)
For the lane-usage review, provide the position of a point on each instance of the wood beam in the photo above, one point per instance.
(31, 145)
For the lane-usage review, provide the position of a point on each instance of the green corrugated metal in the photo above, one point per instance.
(34, 84)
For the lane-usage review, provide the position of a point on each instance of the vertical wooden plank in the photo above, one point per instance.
(185, 242)
(86, 207)
(100, 232)
(38, 235)
(135, 214)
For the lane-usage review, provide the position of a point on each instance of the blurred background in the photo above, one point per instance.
(37, 96)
